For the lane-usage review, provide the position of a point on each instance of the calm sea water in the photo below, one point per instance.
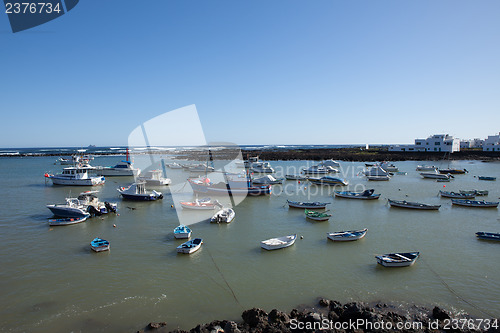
(52, 281)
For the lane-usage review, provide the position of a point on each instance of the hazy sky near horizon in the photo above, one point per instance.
(259, 72)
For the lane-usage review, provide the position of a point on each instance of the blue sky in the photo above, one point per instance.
(259, 72)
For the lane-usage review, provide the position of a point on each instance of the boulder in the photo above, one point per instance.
(439, 314)
(254, 317)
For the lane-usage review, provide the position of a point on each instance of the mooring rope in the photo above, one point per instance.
(454, 292)
(227, 284)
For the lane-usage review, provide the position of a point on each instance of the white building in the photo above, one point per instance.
(471, 143)
(435, 143)
(492, 143)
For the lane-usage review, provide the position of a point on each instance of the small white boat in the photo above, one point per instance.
(330, 163)
(434, 175)
(426, 168)
(455, 195)
(155, 178)
(474, 203)
(376, 171)
(389, 167)
(182, 232)
(190, 246)
(123, 168)
(309, 205)
(397, 259)
(412, 205)
(344, 236)
(99, 245)
(295, 177)
(85, 205)
(67, 221)
(261, 167)
(202, 204)
(278, 242)
(201, 168)
(174, 165)
(327, 180)
(77, 176)
(225, 215)
(365, 195)
(267, 180)
(317, 170)
(317, 216)
(138, 192)
(378, 178)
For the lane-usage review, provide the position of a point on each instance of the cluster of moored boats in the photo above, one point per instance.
(76, 210)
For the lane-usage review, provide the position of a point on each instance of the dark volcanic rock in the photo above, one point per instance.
(254, 317)
(276, 316)
(324, 302)
(231, 327)
(258, 321)
(155, 326)
(438, 313)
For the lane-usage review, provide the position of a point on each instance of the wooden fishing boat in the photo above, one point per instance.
(99, 245)
(397, 259)
(225, 215)
(455, 195)
(190, 246)
(365, 195)
(344, 236)
(278, 242)
(295, 177)
(453, 171)
(488, 235)
(182, 232)
(474, 203)
(487, 178)
(309, 205)
(327, 180)
(67, 221)
(426, 168)
(475, 192)
(412, 205)
(317, 216)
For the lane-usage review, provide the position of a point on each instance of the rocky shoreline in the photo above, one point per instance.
(332, 316)
(316, 154)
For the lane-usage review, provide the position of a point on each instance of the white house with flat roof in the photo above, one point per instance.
(434, 143)
(471, 143)
(492, 143)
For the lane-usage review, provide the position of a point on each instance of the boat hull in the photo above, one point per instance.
(268, 244)
(488, 236)
(398, 261)
(65, 211)
(347, 236)
(474, 204)
(93, 181)
(359, 197)
(306, 205)
(190, 247)
(67, 221)
(140, 197)
(413, 205)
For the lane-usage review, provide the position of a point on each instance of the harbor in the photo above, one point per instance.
(141, 278)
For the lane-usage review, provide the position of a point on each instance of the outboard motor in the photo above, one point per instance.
(109, 207)
(93, 211)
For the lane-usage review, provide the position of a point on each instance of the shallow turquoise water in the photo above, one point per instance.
(52, 281)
